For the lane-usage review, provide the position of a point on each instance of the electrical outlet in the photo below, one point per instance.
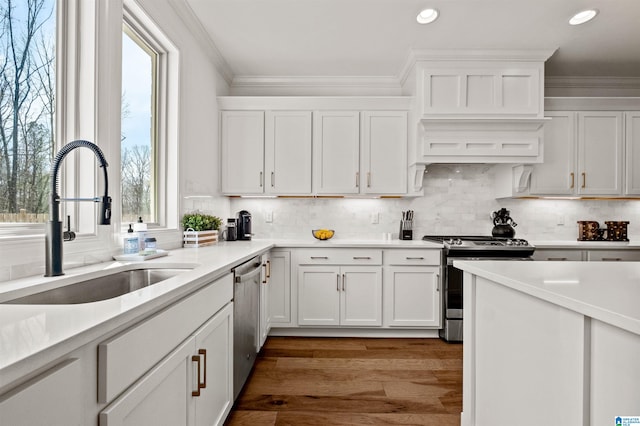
(268, 217)
(560, 219)
(375, 218)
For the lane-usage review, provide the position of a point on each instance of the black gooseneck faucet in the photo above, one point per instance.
(54, 235)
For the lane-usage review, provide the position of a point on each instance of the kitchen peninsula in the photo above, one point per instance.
(550, 342)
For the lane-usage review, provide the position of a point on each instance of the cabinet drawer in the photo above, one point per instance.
(557, 255)
(613, 255)
(412, 257)
(127, 356)
(340, 257)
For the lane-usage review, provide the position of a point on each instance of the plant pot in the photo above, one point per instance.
(191, 238)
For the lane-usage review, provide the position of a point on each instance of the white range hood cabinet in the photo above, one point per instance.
(476, 107)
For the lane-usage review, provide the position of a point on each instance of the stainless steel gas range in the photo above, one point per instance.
(470, 247)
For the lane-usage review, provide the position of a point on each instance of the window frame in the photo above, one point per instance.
(88, 106)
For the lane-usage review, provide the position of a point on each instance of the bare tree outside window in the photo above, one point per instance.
(27, 108)
(138, 128)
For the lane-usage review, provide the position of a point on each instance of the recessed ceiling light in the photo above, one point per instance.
(427, 16)
(582, 17)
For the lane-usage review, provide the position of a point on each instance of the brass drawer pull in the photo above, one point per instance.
(415, 258)
(361, 257)
(584, 180)
(611, 259)
(338, 282)
(573, 180)
(344, 281)
(556, 258)
(196, 359)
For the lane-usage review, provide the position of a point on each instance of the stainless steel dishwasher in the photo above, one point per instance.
(246, 308)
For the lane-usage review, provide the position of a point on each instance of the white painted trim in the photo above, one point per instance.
(591, 103)
(315, 82)
(621, 83)
(355, 332)
(191, 21)
(401, 103)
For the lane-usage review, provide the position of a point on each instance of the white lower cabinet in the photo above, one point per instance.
(175, 368)
(265, 315)
(54, 398)
(340, 295)
(412, 296)
(279, 289)
(412, 281)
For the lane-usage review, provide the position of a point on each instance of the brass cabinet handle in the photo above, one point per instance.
(338, 282)
(264, 265)
(556, 259)
(357, 179)
(344, 281)
(320, 257)
(415, 258)
(437, 282)
(611, 259)
(273, 179)
(268, 269)
(260, 179)
(584, 180)
(368, 179)
(196, 359)
(203, 352)
(573, 180)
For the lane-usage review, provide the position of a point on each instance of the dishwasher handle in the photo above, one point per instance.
(248, 274)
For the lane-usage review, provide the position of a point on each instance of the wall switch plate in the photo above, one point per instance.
(268, 217)
(375, 219)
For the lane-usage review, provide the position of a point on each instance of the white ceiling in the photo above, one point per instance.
(373, 38)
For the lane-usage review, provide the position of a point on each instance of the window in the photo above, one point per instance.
(149, 139)
(139, 143)
(27, 112)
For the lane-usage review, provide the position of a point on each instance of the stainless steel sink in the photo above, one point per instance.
(100, 288)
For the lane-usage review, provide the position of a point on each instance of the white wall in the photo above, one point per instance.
(458, 200)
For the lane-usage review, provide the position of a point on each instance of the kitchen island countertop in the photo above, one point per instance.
(606, 291)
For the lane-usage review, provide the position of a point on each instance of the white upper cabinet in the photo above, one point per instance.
(557, 174)
(384, 152)
(583, 155)
(288, 152)
(242, 138)
(632, 144)
(336, 152)
(599, 153)
(489, 90)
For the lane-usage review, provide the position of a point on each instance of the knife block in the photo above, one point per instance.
(406, 231)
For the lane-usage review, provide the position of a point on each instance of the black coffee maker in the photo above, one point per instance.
(243, 224)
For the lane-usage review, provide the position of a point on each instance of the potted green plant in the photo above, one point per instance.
(200, 229)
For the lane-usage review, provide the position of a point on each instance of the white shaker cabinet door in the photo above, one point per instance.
(599, 153)
(336, 152)
(319, 295)
(288, 152)
(412, 296)
(361, 299)
(632, 155)
(214, 347)
(242, 139)
(384, 152)
(557, 175)
(279, 288)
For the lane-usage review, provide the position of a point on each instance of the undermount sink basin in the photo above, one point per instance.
(100, 288)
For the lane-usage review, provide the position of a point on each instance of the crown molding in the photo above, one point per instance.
(190, 19)
(316, 81)
(603, 82)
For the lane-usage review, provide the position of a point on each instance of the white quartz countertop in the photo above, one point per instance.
(585, 245)
(32, 335)
(606, 291)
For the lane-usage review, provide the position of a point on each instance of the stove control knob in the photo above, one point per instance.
(450, 241)
(458, 242)
(524, 243)
(510, 242)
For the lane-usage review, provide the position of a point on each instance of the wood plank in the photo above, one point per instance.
(352, 381)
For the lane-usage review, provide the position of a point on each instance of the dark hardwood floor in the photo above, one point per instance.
(352, 381)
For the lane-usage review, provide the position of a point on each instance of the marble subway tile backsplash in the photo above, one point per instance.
(458, 199)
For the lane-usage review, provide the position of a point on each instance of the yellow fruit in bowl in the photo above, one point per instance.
(323, 234)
